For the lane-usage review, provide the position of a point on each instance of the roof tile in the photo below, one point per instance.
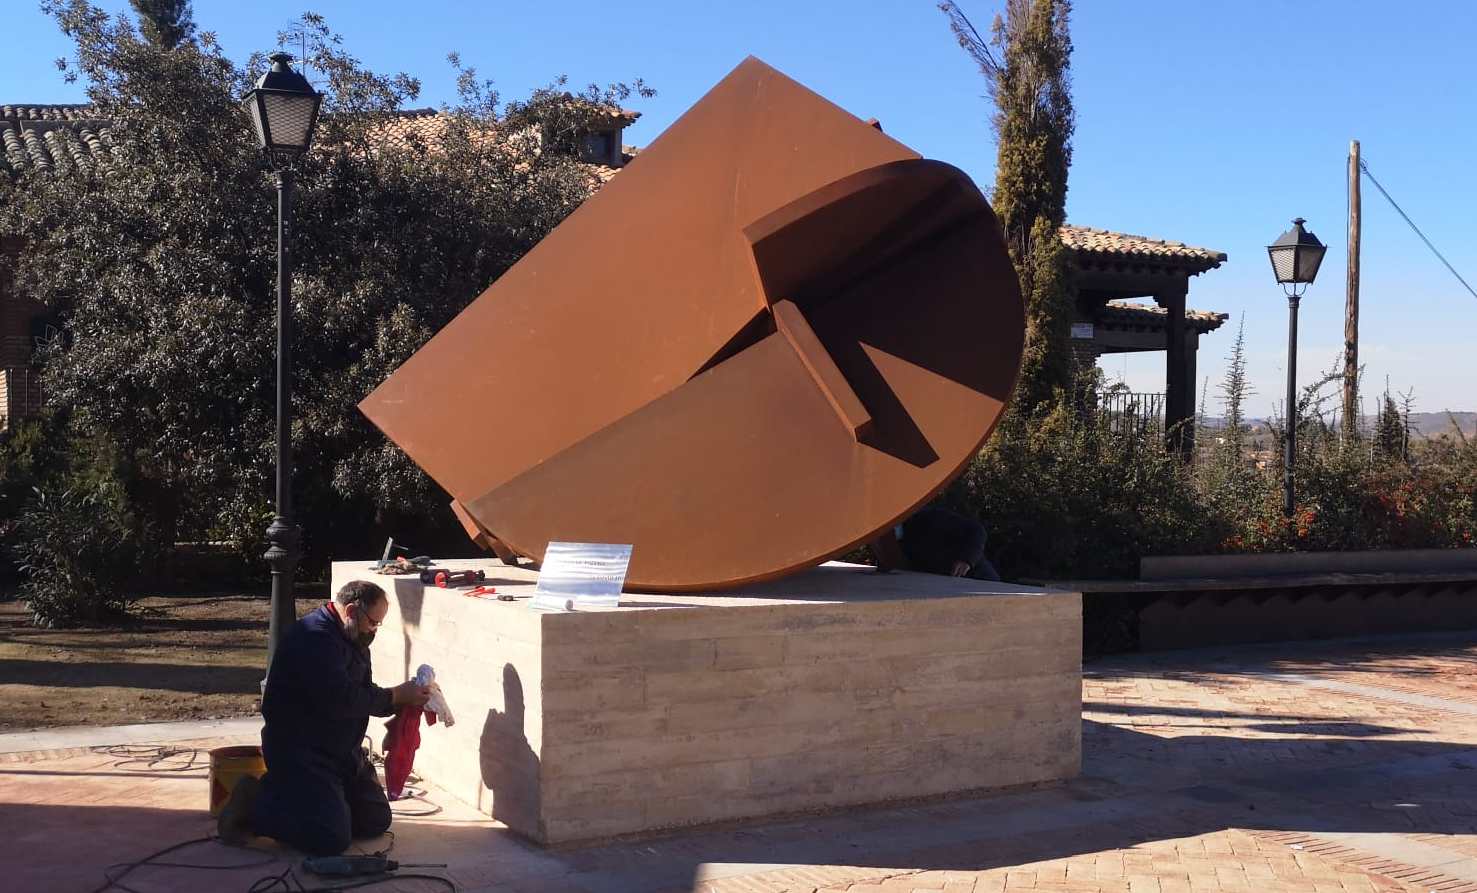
(74, 137)
(51, 137)
(1106, 244)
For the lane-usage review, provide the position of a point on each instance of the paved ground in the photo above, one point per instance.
(1339, 767)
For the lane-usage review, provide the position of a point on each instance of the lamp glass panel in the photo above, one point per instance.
(1309, 259)
(1282, 261)
(290, 117)
(254, 105)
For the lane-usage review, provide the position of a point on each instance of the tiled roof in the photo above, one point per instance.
(63, 137)
(1132, 313)
(48, 113)
(1108, 245)
(613, 112)
(424, 125)
(68, 137)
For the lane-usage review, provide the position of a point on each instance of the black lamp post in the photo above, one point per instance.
(283, 108)
(1295, 258)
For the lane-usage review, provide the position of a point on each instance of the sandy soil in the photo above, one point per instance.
(193, 656)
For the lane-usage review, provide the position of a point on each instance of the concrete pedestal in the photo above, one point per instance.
(836, 687)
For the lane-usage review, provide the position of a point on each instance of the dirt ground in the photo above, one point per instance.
(189, 656)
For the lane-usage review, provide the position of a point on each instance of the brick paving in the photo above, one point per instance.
(1309, 767)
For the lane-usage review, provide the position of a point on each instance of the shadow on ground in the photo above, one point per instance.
(1276, 784)
(1344, 787)
(1136, 788)
(169, 677)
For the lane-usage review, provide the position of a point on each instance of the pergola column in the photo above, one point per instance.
(1178, 402)
(1192, 347)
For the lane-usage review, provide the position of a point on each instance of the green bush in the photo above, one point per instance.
(1066, 496)
(79, 549)
(29, 458)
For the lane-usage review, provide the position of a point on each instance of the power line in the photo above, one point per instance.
(1364, 166)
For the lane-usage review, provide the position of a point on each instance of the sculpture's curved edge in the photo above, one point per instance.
(867, 176)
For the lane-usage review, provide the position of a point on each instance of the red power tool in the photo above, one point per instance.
(446, 579)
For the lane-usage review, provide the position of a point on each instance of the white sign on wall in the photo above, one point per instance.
(576, 576)
(1082, 330)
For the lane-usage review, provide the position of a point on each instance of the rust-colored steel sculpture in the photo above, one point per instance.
(776, 333)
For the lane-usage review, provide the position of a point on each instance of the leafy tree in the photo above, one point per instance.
(166, 23)
(1027, 63)
(167, 333)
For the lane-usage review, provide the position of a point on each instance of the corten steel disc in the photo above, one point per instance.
(774, 335)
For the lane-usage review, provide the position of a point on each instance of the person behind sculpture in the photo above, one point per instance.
(937, 541)
(320, 790)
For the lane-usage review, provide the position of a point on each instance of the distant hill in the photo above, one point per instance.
(1433, 424)
(1423, 424)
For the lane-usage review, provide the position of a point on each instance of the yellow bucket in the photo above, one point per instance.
(228, 765)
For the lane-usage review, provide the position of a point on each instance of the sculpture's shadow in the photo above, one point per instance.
(510, 768)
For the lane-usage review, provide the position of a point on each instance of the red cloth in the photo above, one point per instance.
(402, 739)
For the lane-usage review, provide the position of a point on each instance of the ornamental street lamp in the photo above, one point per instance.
(284, 109)
(1295, 258)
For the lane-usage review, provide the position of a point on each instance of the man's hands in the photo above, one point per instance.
(408, 694)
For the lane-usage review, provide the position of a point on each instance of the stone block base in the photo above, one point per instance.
(835, 687)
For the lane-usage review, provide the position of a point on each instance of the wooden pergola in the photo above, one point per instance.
(1112, 270)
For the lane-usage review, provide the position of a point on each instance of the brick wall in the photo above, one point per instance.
(20, 394)
(20, 382)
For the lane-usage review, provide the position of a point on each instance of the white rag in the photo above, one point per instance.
(426, 678)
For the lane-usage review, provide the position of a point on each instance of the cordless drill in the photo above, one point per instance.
(445, 579)
(350, 866)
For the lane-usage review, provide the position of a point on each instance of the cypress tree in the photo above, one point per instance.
(1389, 430)
(1027, 64)
(164, 22)
(1235, 388)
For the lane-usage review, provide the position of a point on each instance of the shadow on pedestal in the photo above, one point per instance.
(510, 768)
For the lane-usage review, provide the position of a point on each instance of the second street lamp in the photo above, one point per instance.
(284, 110)
(1295, 258)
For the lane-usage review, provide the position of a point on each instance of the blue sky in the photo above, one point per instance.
(1208, 123)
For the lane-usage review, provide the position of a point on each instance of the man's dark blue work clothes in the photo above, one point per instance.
(320, 790)
(935, 538)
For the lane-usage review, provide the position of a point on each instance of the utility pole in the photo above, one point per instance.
(1351, 306)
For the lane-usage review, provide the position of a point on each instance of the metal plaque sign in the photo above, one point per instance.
(1082, 330)
(577, 576)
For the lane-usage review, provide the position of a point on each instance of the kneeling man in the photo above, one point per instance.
(320, 790)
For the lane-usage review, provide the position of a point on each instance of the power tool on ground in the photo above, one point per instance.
(352, 866)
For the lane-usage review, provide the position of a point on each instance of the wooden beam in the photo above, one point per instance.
(1123, 341)
(1123, 284)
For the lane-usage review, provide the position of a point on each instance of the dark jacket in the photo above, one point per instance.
(935, 538)
(320, 695)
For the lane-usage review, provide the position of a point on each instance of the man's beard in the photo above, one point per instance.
(364, 639)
